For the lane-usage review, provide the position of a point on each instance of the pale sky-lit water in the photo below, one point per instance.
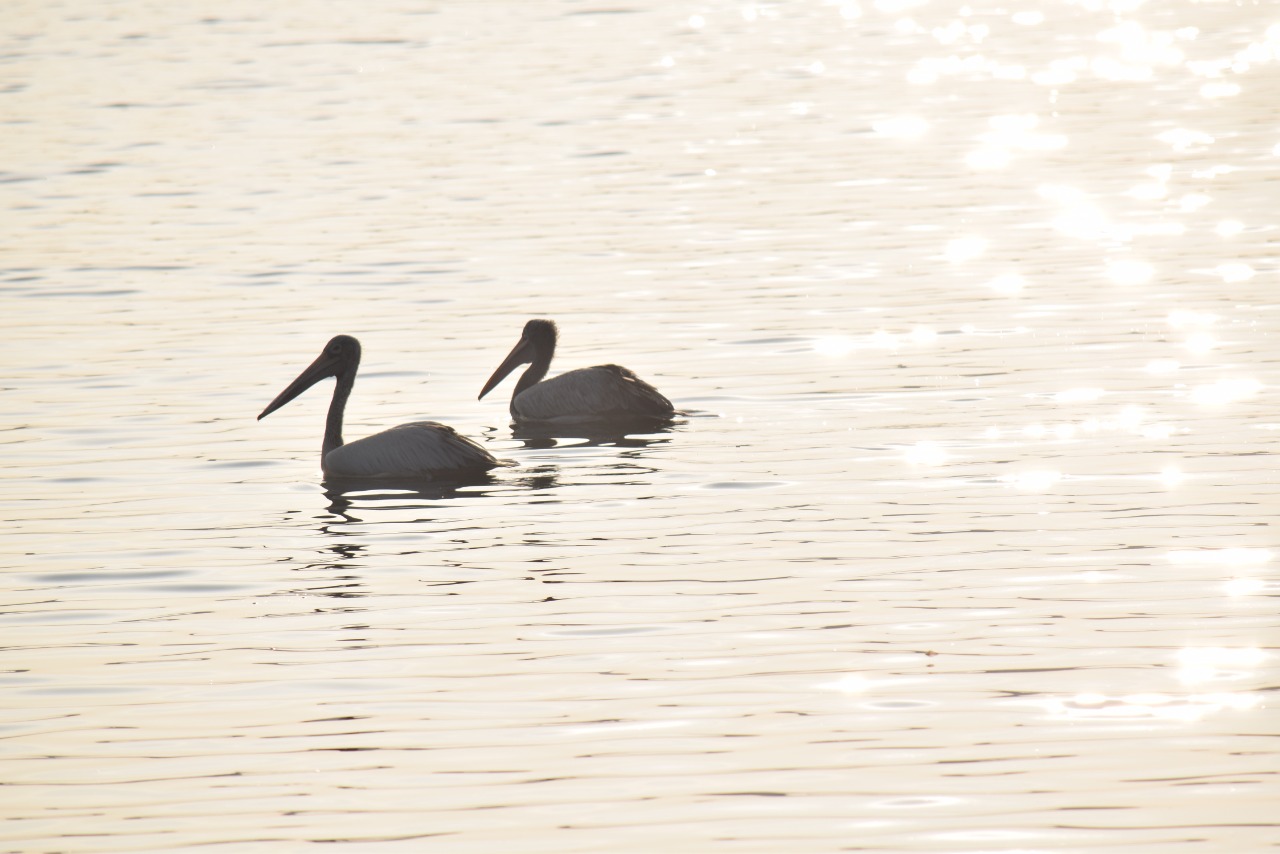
(966, 543)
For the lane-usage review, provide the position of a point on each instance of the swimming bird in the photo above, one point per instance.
(421, 449)
(602, 394)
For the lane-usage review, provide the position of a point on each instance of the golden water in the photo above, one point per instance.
(964, 545)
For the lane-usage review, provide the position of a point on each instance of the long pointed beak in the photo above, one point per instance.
(323, 367)
(519, 354)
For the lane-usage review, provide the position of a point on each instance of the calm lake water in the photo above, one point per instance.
(965, 542)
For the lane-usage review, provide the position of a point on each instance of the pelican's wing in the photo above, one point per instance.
(419, 449)
(605, 392)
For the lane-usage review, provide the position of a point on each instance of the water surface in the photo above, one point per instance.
(964, 543)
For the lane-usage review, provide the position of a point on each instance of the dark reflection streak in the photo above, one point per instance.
(355, 503)
(541, 477)
(377, 493)
(621, 435)
(337, 569)
(346, 552)
(341, 569)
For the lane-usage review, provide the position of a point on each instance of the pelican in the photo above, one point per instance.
(421, 449)
(605, 393)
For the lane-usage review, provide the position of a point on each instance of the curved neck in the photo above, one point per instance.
(538, 367)
(333, 424)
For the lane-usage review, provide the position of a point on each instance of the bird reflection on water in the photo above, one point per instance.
(396, 494)
(340, 580)
(621, 436)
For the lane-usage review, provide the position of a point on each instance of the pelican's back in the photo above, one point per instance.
(418, 449)
(601, 393)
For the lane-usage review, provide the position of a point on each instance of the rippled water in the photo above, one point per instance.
(964, 543)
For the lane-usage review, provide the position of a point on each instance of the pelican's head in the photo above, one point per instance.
(537, 344)
(339, 358)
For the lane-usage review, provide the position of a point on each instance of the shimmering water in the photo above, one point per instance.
(964, 544)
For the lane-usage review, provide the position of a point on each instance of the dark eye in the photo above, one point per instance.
(335, 349)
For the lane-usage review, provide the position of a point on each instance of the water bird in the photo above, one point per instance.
(420, 449)
(604, 394)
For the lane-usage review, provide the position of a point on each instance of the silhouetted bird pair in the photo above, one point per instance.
(605, 396)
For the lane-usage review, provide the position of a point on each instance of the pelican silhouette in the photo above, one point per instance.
(602, 394)
(421, 449)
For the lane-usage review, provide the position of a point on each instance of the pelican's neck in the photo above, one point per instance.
(333, 424)
(542, 355)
